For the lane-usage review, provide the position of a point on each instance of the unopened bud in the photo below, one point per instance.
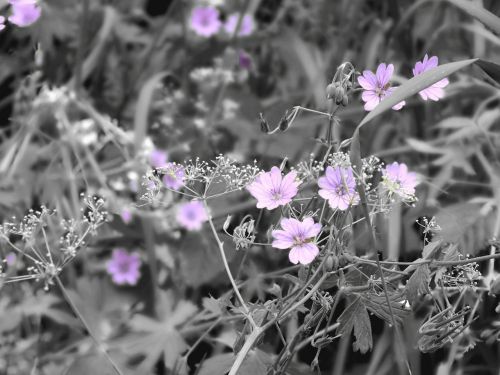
(330, 91)
(264, 126)
(345, 100)
(283, 125)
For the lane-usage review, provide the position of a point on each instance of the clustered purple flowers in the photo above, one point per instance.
(24, 13)
(377, 86)
(205, 21)
(338, 187)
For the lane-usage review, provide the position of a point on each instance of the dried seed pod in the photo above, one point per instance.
(264, 126)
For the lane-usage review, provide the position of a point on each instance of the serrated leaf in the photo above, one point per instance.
(418, 283)
(355, 317)
(377, 304)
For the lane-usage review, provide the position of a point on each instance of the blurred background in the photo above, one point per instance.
(95, 93)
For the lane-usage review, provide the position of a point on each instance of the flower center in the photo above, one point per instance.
(124, 267)
(341, 190)
(276, 194)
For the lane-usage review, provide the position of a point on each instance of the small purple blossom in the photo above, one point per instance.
(397, 179)
(377, 87)
(244, 60)
(205, 21)
(158, 158)
(24, 12)
(436, 90)
(123, 267)
(192, 215)
(247, 25)
(174, 176)
(126, 215)
(272, 190)
(10, 259)
(338, 186)
(299, 237)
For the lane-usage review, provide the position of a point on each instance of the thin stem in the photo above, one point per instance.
(86, 325)
(249, 343)
(226, 265)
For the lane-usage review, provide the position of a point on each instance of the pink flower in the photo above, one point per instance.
(174, 176)
(205, 21)
(397, 179)
(338, 186)
(272, 190)
(24, 12)
(192, 215)
(246, 28)
(435, 91)
(377, 87)
(126, 215)
(299, 237)
(123, 267)
(158, 158)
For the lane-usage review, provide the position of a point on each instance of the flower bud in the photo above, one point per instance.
(264, 126)
(283, 125)
(345, 100)
(330, 91)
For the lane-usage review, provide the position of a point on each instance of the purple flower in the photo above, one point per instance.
(158, 158)
(123, 267)
(435, 91)
(245, 61)
(272, 190)
(338, 186)
(192, 215)
(246, 27)
(397, 179)
(24, 12)
(174, 176)
(377, 87)
(205, 21)
(299, 237)
(126, 215)
(10, 258)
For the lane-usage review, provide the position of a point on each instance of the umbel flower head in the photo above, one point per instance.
(174, 176)
(299, 237)
(436, 90)
(398, 180)
(123, 267)
(24, 12)
(338, 186)
(378, 86)
(205, 21)
(191, 215)
(246, 28)
(271, 189)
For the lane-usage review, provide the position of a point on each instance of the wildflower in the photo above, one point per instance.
(244, 60)
(123, 267)
(205, 21)
(10, 258)
(126, 215)
(398, 180)
(299, 237)
(272, 190)
(246, 27)
(174, 176)
(377, 87)
(435, 91)
(192, 215)
(158, 158)
(338, 186)
(24, 12)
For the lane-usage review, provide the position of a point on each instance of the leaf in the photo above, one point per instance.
(355, 317)
(142, 108)
(377, 304)
(491, 69)
(257, 362)
(159, 339)
(414, 85)
(418, 283)
(482, 15)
